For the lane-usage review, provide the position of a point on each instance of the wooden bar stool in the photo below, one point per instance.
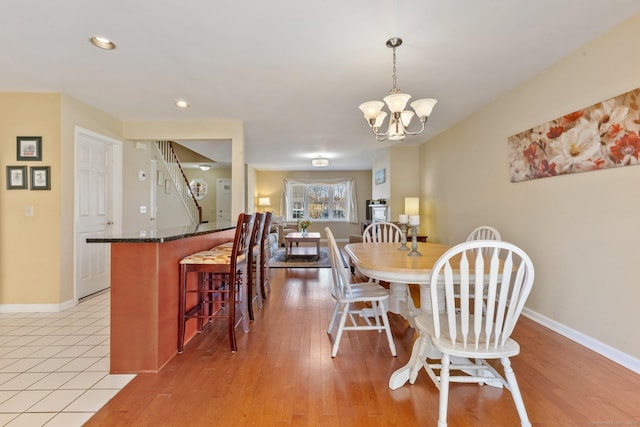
(221, 284)
(265, 253)
(253, 271)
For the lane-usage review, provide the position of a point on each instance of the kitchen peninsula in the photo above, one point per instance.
(144, 292)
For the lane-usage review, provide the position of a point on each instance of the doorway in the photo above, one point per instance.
(223, 200)
(98, 208)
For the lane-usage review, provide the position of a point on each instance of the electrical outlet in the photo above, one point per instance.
(143, 209)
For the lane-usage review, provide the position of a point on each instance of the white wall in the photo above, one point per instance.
(581, 230)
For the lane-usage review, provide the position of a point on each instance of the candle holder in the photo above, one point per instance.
(403, 237)
(414, 241)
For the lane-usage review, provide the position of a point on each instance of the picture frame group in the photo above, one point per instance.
(28, 148)
(39, 178)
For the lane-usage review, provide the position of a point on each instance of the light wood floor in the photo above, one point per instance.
(283, 375)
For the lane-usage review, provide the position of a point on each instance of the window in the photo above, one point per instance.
(318, 201)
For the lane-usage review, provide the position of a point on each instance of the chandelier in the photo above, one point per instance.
(396, 102)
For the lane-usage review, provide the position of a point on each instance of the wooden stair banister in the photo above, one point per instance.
(180, 180)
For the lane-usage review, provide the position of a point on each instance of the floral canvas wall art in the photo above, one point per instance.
(604, 135)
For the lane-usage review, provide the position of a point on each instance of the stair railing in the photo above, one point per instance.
(179, 180)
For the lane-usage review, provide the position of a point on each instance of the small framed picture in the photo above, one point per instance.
(380, 176)
(167, 186)
(40, 177)
(29, 148)
(16, 177)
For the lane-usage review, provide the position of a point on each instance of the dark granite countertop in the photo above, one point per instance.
(162, 235)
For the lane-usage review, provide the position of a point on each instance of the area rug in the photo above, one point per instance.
(302, 261)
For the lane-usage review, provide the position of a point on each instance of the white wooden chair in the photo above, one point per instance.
(349, 295)
(484, 232)
(459, 329)
(382, 232)
(367, 312)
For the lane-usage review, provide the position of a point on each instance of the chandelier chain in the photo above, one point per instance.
(394, 89)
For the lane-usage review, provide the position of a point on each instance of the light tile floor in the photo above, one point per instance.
(54, 367)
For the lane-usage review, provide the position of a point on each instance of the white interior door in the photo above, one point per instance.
(95, 207)
(223, 199)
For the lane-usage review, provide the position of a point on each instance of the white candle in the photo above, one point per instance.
(403, 219)
(414, 219)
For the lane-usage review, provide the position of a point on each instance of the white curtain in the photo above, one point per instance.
(352, 202)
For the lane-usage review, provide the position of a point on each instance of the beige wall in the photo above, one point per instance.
(381, 191)
(581, 230)
(404, 177)
(30, 246)
(47, 236)
(252, 191)
(269, 184)
(209, 202)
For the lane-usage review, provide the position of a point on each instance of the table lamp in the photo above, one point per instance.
(264, 202)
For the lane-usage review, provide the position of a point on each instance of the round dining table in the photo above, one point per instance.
(392, 263)
(389, 263)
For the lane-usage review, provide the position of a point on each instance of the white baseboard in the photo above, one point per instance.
(36, 308)
(605, 350)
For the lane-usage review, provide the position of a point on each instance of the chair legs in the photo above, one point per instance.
(444, 379)
(515, 392)
(265, 282)
(252, 276)
(334, 316)
(343, 320)
(444, 391)
(216, 296)
(378, 310)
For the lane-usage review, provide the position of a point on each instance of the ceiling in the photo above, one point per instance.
(293, 71)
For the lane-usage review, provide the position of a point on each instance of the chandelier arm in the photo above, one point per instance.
(422, 122)
(376, 133)
(380, 136)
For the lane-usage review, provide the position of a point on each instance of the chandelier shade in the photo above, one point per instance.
(396, 102)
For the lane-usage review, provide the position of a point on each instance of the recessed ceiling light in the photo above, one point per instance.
(102, 42)
(204, 167)
(182, 104)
